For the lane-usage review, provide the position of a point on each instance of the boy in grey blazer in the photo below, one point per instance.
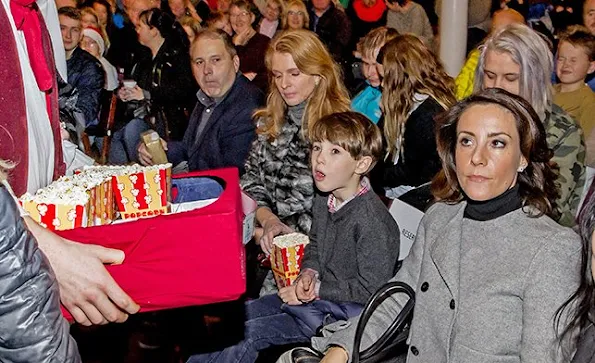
(353, 250)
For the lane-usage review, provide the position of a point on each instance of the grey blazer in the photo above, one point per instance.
(486, 291)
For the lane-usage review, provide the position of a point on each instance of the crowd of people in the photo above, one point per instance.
(329, 110)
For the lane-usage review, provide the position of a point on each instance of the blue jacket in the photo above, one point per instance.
(227, 137)
(85, 73)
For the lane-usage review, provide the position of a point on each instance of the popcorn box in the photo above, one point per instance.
(143, 193)
(286, 257)
(58, 214)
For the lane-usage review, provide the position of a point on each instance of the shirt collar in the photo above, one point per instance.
(334, 206)
(209, 101)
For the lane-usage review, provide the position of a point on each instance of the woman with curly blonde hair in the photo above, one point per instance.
(305, 85)
(415, 88)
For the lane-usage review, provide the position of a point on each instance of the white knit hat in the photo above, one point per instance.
(94, 34)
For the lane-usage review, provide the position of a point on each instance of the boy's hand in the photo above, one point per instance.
(306, 286)
(287, 294)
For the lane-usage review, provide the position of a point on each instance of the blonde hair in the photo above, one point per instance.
(312, 58)
(374, 40)
(303, 9)
(5, 167)
(87, 10)
(191, 23)
(409, 68)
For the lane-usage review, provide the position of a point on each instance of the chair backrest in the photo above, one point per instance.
(408, 219)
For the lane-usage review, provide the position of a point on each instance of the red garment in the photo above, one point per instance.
(369, 14)
(177, 260)
(24, 13)
(13, 123)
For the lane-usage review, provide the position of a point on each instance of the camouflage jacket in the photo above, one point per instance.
(565, 138)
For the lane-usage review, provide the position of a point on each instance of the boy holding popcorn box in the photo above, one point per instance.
(352, 249)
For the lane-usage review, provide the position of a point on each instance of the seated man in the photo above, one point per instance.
(85, 74)
(221, 129)
(332, 27)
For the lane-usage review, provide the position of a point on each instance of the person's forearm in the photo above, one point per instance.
(263, 214)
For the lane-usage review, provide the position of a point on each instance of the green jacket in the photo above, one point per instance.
(565, 138)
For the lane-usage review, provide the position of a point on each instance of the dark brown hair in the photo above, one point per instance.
(352, 131)
(72, 13)
(536, 181)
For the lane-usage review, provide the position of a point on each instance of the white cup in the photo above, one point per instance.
(129, 83)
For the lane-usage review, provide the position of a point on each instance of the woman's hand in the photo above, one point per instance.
(243, 37)
(272, 227)
(287, 294)
(131, 94)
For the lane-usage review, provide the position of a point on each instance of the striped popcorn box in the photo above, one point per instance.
(286, 257)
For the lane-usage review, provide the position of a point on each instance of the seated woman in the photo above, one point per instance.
(165, 91)
(94, 43)
(270, 24)
(295, 16)
(581, 306)
(250, 44)
(415, 88)
(489, 266)
(305, 85)
(368, 94)
(518, 59)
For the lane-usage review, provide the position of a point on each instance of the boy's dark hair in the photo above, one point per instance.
(69, 11)
(352, 131)
(579, 35)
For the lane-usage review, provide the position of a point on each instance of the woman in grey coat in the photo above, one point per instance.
(32, 328)
(489, 266)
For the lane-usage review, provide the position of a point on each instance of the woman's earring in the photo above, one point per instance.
(317, 81)
(521, 169)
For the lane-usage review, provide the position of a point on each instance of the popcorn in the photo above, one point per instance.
(89, 197)
(286, 257)
(58, 207)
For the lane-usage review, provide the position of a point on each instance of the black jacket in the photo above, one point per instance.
(32, 328)
(420, 161)
(334, 29)
(169, 80)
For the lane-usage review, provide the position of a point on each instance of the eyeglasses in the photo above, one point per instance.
(243, 14)
(298, 13)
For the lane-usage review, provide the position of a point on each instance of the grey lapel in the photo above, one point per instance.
(446, 251)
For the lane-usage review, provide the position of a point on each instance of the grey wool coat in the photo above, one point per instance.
(485, 291)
